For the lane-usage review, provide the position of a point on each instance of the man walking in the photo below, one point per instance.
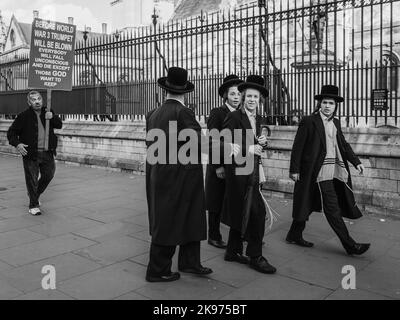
(27, 134)
(319, 166)
(175, 191)
(215, 175)
(244, 209)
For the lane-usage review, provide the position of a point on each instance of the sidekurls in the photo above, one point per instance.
(308, 155)
(175, 192)
(215, 187)
(236, 185)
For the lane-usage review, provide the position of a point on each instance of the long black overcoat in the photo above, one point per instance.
(215, 187)
(236, 184)
(308, 155)
(175, 192)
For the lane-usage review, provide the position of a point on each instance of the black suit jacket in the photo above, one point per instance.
(24, 130)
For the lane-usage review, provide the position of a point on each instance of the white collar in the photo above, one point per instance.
(177, 100)
(231, 109)
(249, 114)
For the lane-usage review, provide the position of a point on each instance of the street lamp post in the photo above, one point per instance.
(154, 19)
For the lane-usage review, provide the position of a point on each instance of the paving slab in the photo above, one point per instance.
(65, 225)
(189, 287)
(28, 278)
(45, 295)
(110, 230)
(106, 283)
(111, 215)
(275, 287)
(94, 230)
(381, 277)
(114, 250)
(40, 250)
(18, 237)
(356, 294)
(12, 224)
(7, 291)
(320, 268)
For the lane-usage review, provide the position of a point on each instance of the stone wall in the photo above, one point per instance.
(116, 145)
(122, 146)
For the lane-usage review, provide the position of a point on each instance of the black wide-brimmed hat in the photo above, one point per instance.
(329, 91)
(176, 81)
(254, 82)
(229, 81)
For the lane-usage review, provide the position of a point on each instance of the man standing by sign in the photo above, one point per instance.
(51, 63)
(27, 134)
(51, 59)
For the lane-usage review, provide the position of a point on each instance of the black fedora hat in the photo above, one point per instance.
(329, 91)
(229, 81)
(254, 82)
(176, 81)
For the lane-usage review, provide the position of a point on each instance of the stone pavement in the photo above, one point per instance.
(94, 230)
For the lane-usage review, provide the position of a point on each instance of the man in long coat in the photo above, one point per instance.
(215, 174)
(319, 166)
(175, 192)
(244, 210)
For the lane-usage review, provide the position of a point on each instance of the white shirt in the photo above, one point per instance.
(252, 119)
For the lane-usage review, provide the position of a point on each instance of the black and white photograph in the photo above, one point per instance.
(195, 156)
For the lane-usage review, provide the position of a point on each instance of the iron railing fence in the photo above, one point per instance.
(296, 45)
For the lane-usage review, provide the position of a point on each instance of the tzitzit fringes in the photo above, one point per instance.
(322, 200)
(273, 215)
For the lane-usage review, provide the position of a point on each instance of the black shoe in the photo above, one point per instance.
(300, 242)
(173, 276)
(196, 270)
(220, 244)
(358, 249)
(261, 264)
(237, 257)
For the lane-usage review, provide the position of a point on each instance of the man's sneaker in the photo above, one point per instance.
(35, 211)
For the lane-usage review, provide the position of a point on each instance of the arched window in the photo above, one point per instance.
(12, 38)
(389, 71)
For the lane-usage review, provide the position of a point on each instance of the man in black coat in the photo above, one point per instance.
(27, 134)
(319, 166)
(175, 190)
(244, 210)
(215, 174)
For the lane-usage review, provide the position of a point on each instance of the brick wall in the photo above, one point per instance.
(122, 146)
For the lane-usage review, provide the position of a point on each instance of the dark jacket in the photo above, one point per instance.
(308, 155)
(24, 130)
(215, 187)
(236, 184)
(175, 192)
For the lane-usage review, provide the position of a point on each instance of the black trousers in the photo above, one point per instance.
(161, 258)
(333, 214)
(255, 230)
(214, 221)
(45, 165)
